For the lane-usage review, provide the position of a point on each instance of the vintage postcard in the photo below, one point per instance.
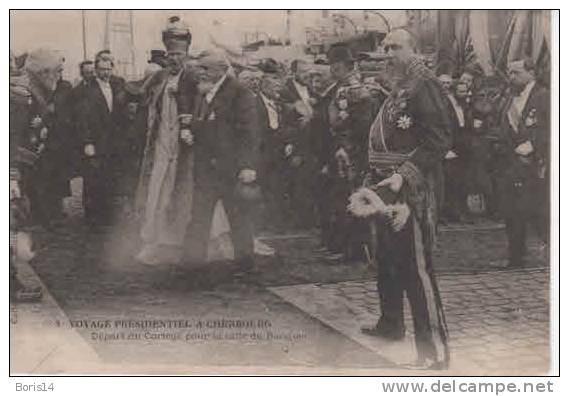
(278, 192)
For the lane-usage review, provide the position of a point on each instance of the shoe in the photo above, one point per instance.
(244, 264)
(426, 364)
(384, 332)
(333, 256)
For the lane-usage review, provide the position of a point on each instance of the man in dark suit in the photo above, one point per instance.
(303, 149)
(455, 164)
(524, 159)
(100, 118)
(348, 114)
(267, 86)
(107, 55)
(225, 128)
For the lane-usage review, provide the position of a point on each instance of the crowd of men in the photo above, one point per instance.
(286, 147)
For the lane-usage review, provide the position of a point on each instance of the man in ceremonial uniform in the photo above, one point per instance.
(30, 95)
(348, 113)
(408, 141)
(524, 159)
(48, 129)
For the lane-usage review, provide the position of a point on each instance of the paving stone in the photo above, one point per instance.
(480, 322)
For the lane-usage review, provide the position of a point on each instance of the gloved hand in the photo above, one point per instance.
(187, 136)
(247, 176)
(89, 150)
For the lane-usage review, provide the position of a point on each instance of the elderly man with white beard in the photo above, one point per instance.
(225, 134)
(31, 92)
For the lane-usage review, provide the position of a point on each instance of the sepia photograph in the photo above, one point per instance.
(281, 192)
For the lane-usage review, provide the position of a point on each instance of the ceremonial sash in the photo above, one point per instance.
(378, 153)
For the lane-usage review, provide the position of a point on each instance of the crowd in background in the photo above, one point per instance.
(312, 154)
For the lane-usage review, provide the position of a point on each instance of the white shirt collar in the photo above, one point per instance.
(107, 91)
(457, 109)
(523, 97)
(103, 83)
(528, 88)
(302, 89)
(272, 112)
(517, 107)
(266, 99)
(211, 94)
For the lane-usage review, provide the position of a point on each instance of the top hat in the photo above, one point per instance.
(340, 52)
(156, 55)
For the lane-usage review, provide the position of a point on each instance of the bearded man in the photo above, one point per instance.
(225, 126)
(48, 129)
(30, 95)
(408, 141)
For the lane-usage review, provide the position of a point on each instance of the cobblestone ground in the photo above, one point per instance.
(498, 322)
(92, 276)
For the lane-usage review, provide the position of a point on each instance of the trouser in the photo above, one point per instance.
(524, 201)
(208, 190)
(516, 231)
(300, 190)
(273, 215)
(404, 263)
(97, 191)
(334, 218)
(46, 187)
(454, 204)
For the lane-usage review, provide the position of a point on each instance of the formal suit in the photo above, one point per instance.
(456, 170)
(47, 179)
(302, 166)
(347, 112)
(524, 179)
(100, 125)
(226, 141)
(273, 138)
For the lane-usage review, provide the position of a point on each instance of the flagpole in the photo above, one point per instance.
(84, 27)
